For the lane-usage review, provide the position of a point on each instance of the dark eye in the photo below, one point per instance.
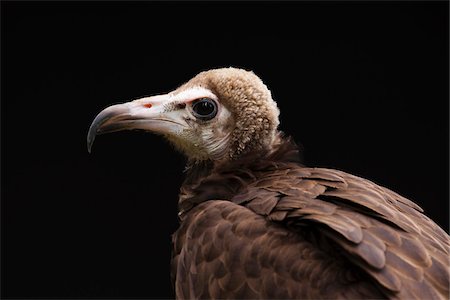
(204, 109)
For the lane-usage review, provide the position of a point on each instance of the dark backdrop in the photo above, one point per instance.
(362, 86)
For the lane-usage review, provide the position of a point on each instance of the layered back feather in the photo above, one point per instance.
(264, 226)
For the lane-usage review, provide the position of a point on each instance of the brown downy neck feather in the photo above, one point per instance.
(207, 180)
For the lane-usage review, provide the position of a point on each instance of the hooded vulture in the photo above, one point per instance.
(256, 223)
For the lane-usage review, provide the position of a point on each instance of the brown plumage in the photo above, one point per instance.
(256, 223)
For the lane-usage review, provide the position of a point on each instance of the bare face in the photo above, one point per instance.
(194, 120)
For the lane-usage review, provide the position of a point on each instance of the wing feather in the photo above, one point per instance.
(379, 231)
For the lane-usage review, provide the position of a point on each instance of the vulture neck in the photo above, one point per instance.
(209, 180)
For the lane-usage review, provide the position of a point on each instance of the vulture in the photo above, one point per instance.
(255, 222)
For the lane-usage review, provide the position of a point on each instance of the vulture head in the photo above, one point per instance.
(218, 115)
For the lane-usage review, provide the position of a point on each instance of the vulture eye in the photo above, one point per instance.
(204, 109)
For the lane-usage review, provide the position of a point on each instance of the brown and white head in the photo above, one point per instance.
(218, 115)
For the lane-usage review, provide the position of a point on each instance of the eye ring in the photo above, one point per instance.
(204, 109)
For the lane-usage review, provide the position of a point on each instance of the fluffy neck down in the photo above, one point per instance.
(208, 180)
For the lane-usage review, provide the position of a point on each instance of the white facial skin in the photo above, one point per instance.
(199, 139)
(172, 115)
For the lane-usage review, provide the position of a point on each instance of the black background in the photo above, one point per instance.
(362, 86)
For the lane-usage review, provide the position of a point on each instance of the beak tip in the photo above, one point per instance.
(101, 119)
(90, 141)
(89, 148)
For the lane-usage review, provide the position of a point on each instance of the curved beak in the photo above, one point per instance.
(149, 113)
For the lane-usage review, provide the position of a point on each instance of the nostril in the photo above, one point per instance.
(148, 105)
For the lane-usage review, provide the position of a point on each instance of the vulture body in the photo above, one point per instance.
(256, 223)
